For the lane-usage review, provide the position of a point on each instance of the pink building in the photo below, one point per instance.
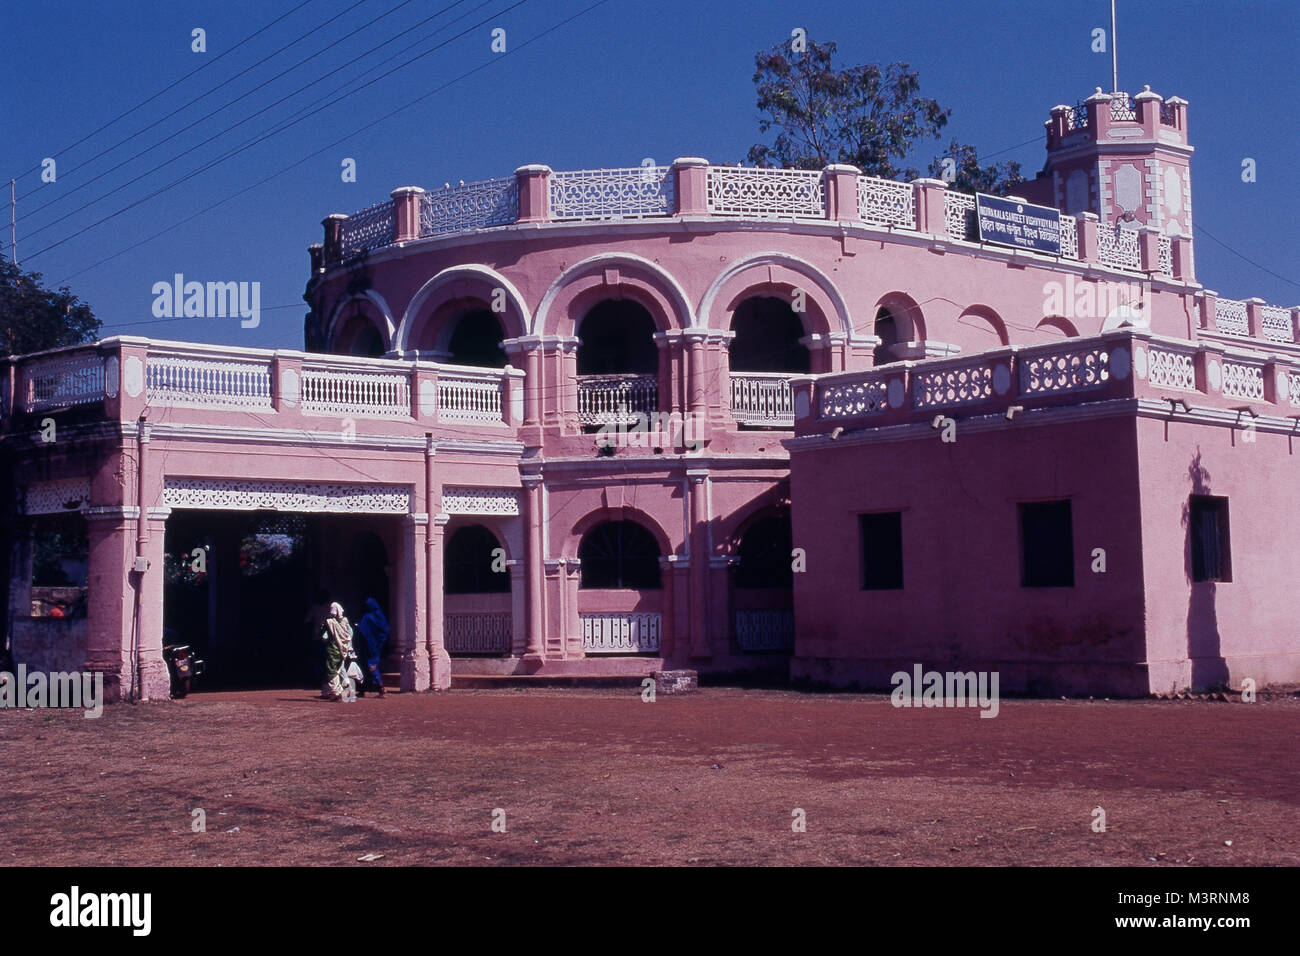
(707, 417)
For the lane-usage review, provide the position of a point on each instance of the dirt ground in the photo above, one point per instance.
(601, 777)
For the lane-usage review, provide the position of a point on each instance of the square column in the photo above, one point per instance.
(439, 659)
(412, 622)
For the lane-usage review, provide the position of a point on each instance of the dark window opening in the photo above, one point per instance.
(767, 338)
(472, 563)
(887, 331)
(764, 555)
(617, 337)
(476, 340)
(367, 343)
(619, 554)
(1046, 545)
(1211, 550)
(882, 551)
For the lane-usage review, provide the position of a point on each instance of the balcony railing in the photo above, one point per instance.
(762, 398)
(634, 633)
(62, 381)
(615, 399)
(197, 380)
(328, 391)
(765, 630)
(636, 193)
(1230, 317)
(493, 202)
(484, 632)
(369, 229)
(766, 193)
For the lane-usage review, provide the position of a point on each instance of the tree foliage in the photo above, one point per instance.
(868, 116)
(960, 168)
(34, 318)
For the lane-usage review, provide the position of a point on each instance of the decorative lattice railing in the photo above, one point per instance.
(195, 382)
(959, 215)
(614, 399)
(1170, 368)
(851, 399)
(1230, 317)
(1068, 369)
(1077, 117)
(1166, 260)
(470, 397)
(762, 398)
(1122, 109)
(1118, 248)
(493, 202)
(1275, 324)
(885, 202)
(621, 633)
(1069, 237)
(766, 193)
(638, 192)
(369, 229)
(340, 392)
(482, 632)
(765, 630)
(1243, 380)
(62, 381)
(950, 385)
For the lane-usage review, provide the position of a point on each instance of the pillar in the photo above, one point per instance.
(155, 680)
(699, 591)
(110, 533)
(534, 556)
(439, 659)
(413, 620)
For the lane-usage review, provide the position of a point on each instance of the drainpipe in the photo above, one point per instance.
(141, 541)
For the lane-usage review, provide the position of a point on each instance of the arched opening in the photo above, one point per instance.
(477, 614)
(618, 363)
(474, 563)
(359, 336)
(886, 329)
(619, 555)
(476, 340)
(763, 585)
(768, 331)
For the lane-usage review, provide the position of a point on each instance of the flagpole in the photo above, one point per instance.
(1114, 52)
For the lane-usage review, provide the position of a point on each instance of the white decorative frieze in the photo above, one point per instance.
(235, 494)
(56, 497)
(480, 501)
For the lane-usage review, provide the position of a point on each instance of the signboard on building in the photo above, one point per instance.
(1011, 223)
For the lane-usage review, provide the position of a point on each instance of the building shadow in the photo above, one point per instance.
(1204, 644)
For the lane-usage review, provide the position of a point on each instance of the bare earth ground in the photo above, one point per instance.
(600, 777)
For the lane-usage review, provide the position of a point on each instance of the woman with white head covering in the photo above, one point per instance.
(337, 635)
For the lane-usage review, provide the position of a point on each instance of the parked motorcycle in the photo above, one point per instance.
(183, 666)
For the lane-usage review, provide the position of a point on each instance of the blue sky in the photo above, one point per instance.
(627, 80)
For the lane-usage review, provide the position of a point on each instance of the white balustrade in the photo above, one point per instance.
(1294, 383)
(1069, 237)
(765, 630)
(1230, 317)
(959, 215)
(632, 193)
(355, 392)
(189, 381)
(1243, 381)
(1166, 256)
(762, 398)
(470, 397)
(851, 399)
(885, 202)
(369, 229)
(766, 193)
(1275, 323)
(486, 632)
(1064, 370)
(610, 399)
(61, 381)
(1170, 369)
(493, 202)
(635, 633)
(1118, 247)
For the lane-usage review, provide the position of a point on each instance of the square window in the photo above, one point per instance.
(1046, 545)
(882, 551)
(1207, 523)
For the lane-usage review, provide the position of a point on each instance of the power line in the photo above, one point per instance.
(1199, 228)
(205, 117)
(206, 63)
(387, 116)
(275, 132)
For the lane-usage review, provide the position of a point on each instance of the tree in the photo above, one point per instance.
(34, 318)
(961, 169)
(868, 116)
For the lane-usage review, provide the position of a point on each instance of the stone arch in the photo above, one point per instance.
(778, 274)
(1058, 325)
(905, 312)
(342, 326)
(984, 322)
(611, 276)
(464, 283)
(468, 558)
